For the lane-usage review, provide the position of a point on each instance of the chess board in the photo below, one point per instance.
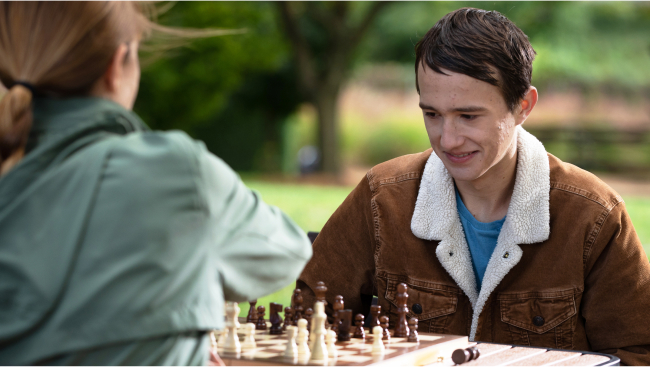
(433, 349)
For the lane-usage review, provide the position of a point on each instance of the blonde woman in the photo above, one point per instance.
(118, 245)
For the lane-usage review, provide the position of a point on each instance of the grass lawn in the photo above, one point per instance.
(310, 206)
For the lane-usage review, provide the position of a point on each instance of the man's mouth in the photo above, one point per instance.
(461, 157)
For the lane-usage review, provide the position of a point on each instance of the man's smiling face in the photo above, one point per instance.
(469, 125)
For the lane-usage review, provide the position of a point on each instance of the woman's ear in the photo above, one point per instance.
(527, 104)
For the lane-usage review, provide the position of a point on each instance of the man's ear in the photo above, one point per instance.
(113, 75)
(527, 104)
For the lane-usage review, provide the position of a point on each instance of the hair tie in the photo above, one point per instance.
(26, 85)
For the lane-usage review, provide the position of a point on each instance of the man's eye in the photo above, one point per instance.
(468, 117)
(431, 114)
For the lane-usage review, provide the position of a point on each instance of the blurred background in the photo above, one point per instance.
(313, 94)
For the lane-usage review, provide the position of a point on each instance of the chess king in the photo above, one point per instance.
(496, 238)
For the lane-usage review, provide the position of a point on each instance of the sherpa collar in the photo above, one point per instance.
(527, 221)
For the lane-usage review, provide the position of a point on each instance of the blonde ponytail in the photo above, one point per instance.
(15, 125)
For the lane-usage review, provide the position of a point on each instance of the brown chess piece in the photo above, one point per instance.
(338, 306)
(413, 331)
(297, 306)
(344, 326)
(288, 318)
(252, 312)
(375, 310)
(275, 319)
(261, 323)
(460, 356)
(359, 332)
(401, 327)
(308, 314)
(384, 325)
(320, 292)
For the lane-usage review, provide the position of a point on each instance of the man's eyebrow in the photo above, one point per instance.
(458, 109)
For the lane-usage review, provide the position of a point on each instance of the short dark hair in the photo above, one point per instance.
(475, 42)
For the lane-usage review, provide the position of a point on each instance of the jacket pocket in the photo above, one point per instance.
(541, 319)
(431, 303)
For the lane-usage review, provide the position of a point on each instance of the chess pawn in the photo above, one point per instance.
(330, 338)
(375, 310)
(252, 312)
(261, 323)
(413, 331)
(276, 328)
(297, 306)
(249, 337)
(384, 325)
(291, 350)
(213, 340)
(222, 336)
(288, 317)
(377, 343)
(359, 332)
(344, 325)
(337, 306)
(303, 336)
(308, 315)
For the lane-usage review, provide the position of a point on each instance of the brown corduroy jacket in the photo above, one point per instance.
(568, 271)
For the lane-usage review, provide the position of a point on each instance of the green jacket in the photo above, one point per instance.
(119, 244)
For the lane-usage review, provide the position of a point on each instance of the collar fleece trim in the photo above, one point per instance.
(435, 218)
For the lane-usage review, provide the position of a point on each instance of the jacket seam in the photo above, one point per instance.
(375, 222)
(594, 236)
(401, 178)
(585, 194)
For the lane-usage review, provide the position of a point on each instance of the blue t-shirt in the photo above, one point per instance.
(481, 238)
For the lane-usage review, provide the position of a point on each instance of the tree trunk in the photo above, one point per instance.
(327, 109)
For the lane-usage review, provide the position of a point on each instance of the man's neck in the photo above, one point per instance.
(488, 197)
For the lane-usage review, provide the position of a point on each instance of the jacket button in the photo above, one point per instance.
(417, 308)
(538, 321)
(505, 256)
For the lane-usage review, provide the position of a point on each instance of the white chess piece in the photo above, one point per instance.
(231, 344)
(222, 336)
(377, 343)
(303, 336)
(237, 310)
(249, 337)
(292, 349)
(318, 348)
(330, 337)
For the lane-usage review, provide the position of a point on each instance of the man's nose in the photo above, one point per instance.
(450, 137)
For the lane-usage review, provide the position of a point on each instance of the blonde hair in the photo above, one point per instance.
(56, 49)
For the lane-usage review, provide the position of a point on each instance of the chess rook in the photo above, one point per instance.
(401, 327)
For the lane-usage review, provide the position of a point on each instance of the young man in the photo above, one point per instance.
(496, 238)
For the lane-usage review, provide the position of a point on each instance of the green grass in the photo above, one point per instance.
(310, 206)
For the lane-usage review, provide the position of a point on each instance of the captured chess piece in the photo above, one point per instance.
(375, 310)
(337, 306)
(359, 332)
(252, 312)
(413, 331)
(288, 318)
(297, 306)
(344, 325)
(461, 356)
(377, 343)
(249, 337)
(384, 325)
(275, 319)
(307, 316)
(401, 327)
(261, 323)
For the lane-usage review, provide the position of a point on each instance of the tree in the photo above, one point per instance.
(324, 37)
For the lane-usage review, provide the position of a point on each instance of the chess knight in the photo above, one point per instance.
(496, 238)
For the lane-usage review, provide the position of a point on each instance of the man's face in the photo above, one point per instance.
(470, 127)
